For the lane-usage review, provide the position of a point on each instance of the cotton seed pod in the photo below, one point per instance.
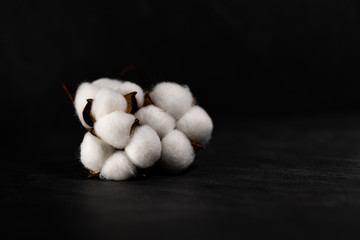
(85, 91)
(196, 124)
(118, 167)
(93, 152)
(177, 152)
(115, 128)
(107, 101)
(144, 148)
(173, 98)
(156, 118)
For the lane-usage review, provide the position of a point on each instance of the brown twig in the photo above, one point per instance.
(66, 88)
(197, 146)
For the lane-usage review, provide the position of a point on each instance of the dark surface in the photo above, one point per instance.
(296, 177)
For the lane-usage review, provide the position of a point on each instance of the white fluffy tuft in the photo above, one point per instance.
(156, 118)
(173, 98)
(123, 87)
(144, 149)
(196, 124)
(84, 91)
(93, 152)
(113, 84)
(107, 101)
(177, 152)
(118, 167)
(128, 87)
(166, 129)
(114, 128)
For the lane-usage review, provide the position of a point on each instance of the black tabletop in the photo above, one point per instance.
(295, 177)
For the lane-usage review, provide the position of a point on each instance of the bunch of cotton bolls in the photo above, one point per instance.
(130, 131)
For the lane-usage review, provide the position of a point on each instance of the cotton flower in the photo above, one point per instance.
(118, 167)
(181, 125)
(115, 145)
(172, 98)
(196, 124)
(161, 121)
(114, 128)
(94, 152)
(123, 87)
(129, 131)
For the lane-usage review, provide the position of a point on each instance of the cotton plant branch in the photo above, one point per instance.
(129, 130)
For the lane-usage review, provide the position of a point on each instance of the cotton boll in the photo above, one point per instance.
(158, 119)
(144, 148)
(177, 152)
(196, 124)
(118, 167)
(123, 87)
(128, 87)
(113, 84)
(115, 128)
(107, 101)
(172, 97)
(93, 152)
(85, 91)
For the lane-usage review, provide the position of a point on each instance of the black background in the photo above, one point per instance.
(238, 57)
(280, 79)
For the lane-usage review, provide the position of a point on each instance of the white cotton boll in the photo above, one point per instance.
(123, 87)
(177, 152)
(128, 87)
(115, 128)
(107, 101)
(158, 119)
(113, 84)
(144, 148)
(93, 152)
(196, 124)
(118, 167)
(172, 97)
(84, 91)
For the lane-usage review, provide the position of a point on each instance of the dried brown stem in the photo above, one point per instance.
(67, 90)
(197, 147)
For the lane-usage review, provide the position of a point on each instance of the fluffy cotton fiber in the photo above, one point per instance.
(107, 101)
(118, 167)
(112, 84)
(93, 152)
(144, 148)
(85, 91)
(177, 152)
(115, 128)
(156, 118)
(128, 87)
(173, 98)
(166, 130)
(123, 87)
(196, 124)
